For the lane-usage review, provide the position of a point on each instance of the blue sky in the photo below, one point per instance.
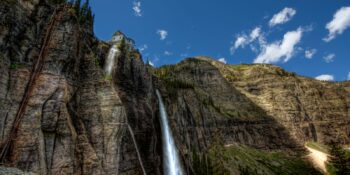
(286, 32)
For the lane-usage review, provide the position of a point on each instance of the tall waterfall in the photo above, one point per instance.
(172, 165)
(110, 61)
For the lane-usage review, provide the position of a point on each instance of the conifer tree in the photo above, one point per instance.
(339, 162)
(77, 4)
(84, 11)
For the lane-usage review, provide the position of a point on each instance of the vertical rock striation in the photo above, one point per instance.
(76, 120)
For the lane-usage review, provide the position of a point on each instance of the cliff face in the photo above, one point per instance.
(204, 106)
(215, 109)
(59, 113)
(311, 110)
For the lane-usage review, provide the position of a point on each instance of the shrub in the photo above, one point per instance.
(339, 160)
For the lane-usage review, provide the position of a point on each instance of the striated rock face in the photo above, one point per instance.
(260, 106)
(310, 109)
(59, 113)
(205, 111)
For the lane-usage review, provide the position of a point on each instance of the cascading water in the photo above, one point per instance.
(172, 165)
(113, 53)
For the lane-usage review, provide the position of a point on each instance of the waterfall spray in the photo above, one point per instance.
(110, 61)
(171, 161)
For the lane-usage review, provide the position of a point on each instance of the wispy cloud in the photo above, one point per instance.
(310, 53)
(223, 60)
(340, 22)
(163, 34)
(282, 17)
(255, 33)
(280, 50)
(325, 77)
(242, 39)
(137, 8)
(143, 47)
(329, 58)
(167, 53)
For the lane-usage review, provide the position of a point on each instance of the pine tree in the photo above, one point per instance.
(123, 47)
(83, 12)
(77, 4)
(339, 163)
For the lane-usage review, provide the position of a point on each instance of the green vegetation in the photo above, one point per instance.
(210, 102)
(15, 66)
(284, 73)
(239, 159)
(266, 69)
(82, 12)
(97, 62)
(127, 50)
(164, 71)
(108, 78)
(172, 83)
(339, 160)
(202, 164)
(240, 67)
(317, 146)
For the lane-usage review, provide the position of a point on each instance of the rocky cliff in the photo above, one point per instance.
(217, 109)
(60, 113)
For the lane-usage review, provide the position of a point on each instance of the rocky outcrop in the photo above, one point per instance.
(206, 111)
(213, 105)
(59, 113)
(311, 110)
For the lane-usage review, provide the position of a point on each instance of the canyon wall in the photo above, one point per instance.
(60, 113)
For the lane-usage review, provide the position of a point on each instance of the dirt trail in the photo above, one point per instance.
(318, 158)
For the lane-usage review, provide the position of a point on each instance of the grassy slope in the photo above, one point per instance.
(252, 161)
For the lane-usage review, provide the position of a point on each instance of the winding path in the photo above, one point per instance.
(318, 158)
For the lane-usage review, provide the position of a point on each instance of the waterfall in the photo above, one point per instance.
(110, 61)
(171, 161)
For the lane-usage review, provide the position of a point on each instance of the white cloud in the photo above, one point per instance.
(143, 47)
(137, 8)
(329, 58)
(163, 34)
(255, 33)
(325, 77)
(280, 50)
(243, 40)
(223, 60)
(349, 76)
(167, 53)
(340, 22)
(310, 53)
(282, 17)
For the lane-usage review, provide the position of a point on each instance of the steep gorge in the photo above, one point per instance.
(76, 119)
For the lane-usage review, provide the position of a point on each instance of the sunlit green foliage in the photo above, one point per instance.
(246, 160)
